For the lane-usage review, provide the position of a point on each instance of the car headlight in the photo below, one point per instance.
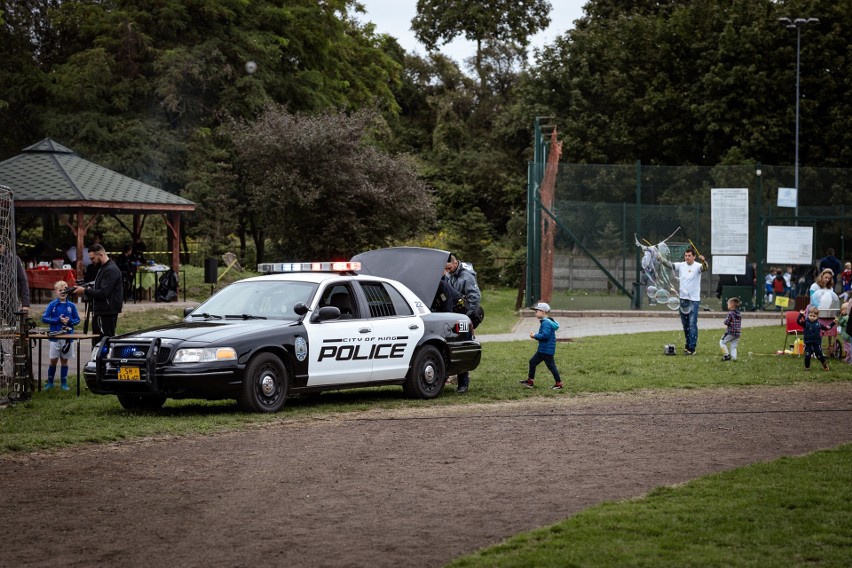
(95, 350)
(205, 354)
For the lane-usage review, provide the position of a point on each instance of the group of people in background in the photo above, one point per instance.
(825, 275)
(794, 281)
(829, 275)
(102, 288)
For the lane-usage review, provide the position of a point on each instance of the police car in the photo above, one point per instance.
(305, 327)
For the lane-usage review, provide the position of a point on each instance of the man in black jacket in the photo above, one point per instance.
(106, 293)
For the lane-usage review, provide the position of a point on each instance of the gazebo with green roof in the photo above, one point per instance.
(49, 176)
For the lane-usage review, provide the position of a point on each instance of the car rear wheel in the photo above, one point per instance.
(427, 374)
(265, 385)
(141, 401)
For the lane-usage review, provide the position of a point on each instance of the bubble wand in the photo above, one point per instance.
(703, 263)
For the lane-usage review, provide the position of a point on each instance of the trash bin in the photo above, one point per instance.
(211, 272)
(744, 293)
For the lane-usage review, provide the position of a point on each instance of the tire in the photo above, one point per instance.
(141, 401)
(427, 374)
(265, 385)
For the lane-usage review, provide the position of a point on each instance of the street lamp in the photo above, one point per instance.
(797, 24)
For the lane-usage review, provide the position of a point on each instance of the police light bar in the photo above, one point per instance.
(279, 267)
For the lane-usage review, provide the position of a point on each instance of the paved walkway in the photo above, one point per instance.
(593, 323)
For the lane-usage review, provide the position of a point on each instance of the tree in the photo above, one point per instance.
(320, 189)
(141, 87)
(502, 21)
(702, 82)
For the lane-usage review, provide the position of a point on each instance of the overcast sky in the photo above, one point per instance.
(393, 17)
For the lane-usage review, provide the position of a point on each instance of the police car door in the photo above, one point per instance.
(340, 349)
(396, 330)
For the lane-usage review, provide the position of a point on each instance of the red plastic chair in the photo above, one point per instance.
(793, 327)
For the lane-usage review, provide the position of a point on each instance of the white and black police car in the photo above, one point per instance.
(305, 327)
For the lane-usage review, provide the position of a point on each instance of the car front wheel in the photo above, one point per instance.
(265, 385)
(427, 374)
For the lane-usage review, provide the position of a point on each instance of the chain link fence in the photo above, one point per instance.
(600, 211)
(8, 293)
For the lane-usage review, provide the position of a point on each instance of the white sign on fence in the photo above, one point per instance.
(789, 245)
(787, 196)
(728, 264)
(729, 221)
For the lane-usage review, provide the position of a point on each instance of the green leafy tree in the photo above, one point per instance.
(141, 87)
(703, 82)
(497, 21)
(471, 141)
(214, 188)
(321, 189)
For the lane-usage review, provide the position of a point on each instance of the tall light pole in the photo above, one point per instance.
(797, 24)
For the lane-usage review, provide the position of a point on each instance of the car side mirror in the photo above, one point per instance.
(300, 309)
(187, 311)
(326, 313)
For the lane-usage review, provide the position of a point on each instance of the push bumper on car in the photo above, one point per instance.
(125, 366)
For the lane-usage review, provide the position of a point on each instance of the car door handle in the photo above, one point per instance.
(365, 330)
(413, 326)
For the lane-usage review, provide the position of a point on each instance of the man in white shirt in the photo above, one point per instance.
(689, 275)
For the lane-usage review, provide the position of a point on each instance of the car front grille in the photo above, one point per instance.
(139, 352)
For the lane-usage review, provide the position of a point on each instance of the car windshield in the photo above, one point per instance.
(270, 299)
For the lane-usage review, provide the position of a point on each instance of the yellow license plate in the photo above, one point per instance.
(129, 374)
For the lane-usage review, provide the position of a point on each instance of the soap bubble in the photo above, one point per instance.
(685, 306)
(661, 282)
(673, 303)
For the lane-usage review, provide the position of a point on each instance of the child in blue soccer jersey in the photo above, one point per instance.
(62, 316)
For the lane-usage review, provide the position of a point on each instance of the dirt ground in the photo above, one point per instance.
(391, 488)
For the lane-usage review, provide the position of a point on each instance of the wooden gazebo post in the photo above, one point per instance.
(80, 230)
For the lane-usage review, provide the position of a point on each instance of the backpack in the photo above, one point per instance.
(168, 287)
(779, 285)
(477, 316)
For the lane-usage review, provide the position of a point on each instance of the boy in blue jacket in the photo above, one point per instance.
(62, 316)
(546, 338)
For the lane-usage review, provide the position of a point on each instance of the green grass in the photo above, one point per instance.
(588, 365)
(790, 512)
(499, 307)
(793, 511)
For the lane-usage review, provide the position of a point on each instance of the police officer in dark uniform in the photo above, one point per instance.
(464, 281)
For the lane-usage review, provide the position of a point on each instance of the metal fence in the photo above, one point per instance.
(8, 293)
(599, 211)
